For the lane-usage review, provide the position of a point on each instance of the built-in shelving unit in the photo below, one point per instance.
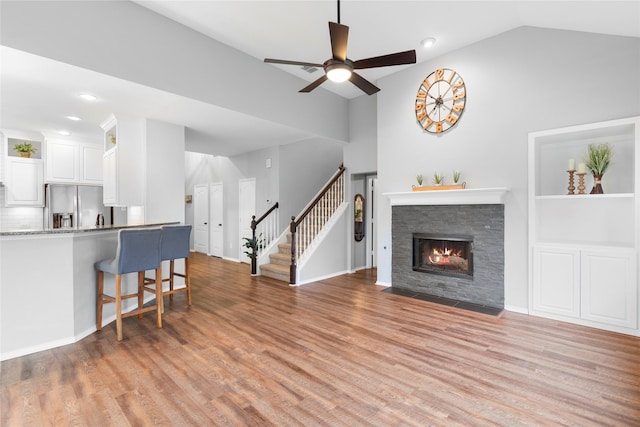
(584, 247)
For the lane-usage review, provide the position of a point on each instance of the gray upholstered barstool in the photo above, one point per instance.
(175, 245)
(138, 251)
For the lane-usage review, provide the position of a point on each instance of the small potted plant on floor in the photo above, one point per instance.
(25, 149)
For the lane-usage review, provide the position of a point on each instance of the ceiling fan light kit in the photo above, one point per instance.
(338, 71)
(339, 68)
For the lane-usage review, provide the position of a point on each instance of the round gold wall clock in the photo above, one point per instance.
(440, 100)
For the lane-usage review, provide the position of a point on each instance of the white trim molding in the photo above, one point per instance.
(470, 196)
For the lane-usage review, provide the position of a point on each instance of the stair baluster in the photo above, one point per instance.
(307, 226)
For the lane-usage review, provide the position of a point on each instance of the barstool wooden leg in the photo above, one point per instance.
(187, 280)
(140, 293)
(100, 300)
(118, 307)
(159, 302)
(171, 279)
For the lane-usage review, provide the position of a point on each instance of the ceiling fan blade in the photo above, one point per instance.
(364, 84)
(285, 62)
(339, 35)
(314, 85)
(400, 58)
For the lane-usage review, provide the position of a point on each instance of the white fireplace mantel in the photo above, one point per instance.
(467, 196)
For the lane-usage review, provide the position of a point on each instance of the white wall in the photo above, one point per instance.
(521, 81)
(305, 167)
(360, 154)
(165, 173)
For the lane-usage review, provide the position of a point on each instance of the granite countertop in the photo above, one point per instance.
(30, 232)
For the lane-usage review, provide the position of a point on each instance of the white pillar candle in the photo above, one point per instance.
(572, 165)
(582, 168)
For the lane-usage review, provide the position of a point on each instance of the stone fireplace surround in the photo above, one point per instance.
(475, 212)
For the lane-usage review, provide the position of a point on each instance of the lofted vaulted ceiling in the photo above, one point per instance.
(34, 90)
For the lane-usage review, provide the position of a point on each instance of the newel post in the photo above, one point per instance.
(293, 267)
(254, 251)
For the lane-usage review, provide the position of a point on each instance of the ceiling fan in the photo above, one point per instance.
(340, 68)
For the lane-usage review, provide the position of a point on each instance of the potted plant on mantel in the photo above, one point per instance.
(25, 149)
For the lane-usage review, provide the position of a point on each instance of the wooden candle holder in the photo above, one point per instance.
(581, 183)
(571, 187)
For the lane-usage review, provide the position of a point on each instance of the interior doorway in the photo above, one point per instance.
(216, 213)
(370, 214)
(201, 218)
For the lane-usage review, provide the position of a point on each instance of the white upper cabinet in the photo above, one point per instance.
(73, 162)
(91, 164)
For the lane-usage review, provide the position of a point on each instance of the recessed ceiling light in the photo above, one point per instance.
(428, 42)
(88, 97)
(64, 132)
(74, 118)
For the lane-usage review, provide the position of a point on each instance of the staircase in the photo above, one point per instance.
(280, 262)
(310, 224)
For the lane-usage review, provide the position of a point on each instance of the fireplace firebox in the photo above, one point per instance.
(450, 255)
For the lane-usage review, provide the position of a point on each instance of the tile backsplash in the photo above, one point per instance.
(19, 218)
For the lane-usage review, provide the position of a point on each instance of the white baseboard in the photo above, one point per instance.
(317, 279)
(36, 348)
(386, 285)
(516, 309)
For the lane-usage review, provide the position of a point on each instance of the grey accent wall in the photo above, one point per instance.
(484, 222)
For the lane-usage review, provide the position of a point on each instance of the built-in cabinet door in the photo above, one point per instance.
(92, 163)
(25, 182)
(62, 162)
(609, 289)
(110, 170)
(556, 281)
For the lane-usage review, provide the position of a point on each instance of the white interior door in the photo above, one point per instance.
(216, 210)
(201, 218)
(370, 229)
(246, 208)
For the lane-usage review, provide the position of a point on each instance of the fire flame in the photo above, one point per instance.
(442, 256)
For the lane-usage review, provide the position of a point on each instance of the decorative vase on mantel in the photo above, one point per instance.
(597, 185)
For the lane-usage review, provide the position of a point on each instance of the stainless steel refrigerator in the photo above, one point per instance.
(74, 206)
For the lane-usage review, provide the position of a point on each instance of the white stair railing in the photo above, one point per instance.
(305, 229)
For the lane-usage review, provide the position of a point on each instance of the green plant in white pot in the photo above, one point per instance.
(438, 179)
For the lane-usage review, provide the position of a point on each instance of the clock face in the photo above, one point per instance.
(440, 100)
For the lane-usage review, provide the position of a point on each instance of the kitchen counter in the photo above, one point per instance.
(25, 232)
(48, 286)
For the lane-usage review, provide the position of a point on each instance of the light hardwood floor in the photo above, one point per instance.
(255, 352)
